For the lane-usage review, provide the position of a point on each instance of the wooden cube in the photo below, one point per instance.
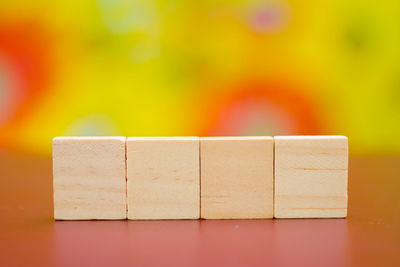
(89, 178)
(236, 177)
(163, 178)
(311, 176)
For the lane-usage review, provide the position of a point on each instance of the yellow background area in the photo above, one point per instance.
(143, 68)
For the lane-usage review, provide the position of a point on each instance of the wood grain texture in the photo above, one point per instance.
(311, 176)
(89, 178)
(236, 177)
(163, 178)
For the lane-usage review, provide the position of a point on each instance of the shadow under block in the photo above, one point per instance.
(89, 178)
(236, 177)
(163, 178)
(311, 176)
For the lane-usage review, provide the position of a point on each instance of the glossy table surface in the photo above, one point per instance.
(370, 236)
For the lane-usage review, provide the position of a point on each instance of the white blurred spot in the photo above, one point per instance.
(270, 17)
(122, 16)
(92, 125)
(9, 95)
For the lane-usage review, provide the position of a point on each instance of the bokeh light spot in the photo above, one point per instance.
(92, 125)
(259, 108)
(270, 17)
(8, 92)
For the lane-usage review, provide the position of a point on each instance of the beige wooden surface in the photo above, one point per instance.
(311, 176)
(89, 178)
(236, 177)
(163, 178)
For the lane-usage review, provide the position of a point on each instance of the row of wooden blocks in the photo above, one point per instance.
(143, 178)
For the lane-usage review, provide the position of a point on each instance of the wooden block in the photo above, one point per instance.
(311, 176)
(236, 177)
(89, 178)
(163, 178)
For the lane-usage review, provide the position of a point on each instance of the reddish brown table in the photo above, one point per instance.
(369, 237)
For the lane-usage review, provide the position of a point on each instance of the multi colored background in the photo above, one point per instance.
(141, 67)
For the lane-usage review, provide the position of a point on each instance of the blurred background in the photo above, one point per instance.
(202, 68)
(184, 67)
